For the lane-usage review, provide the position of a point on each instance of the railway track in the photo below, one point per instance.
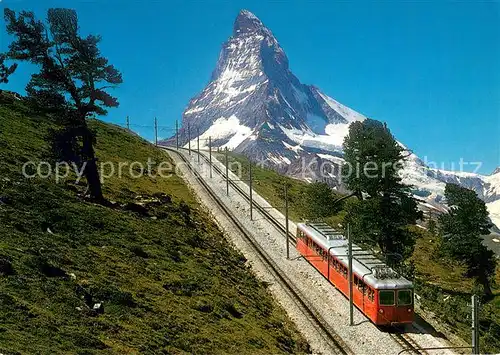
(275, 222)
(407, 343)
(336, 344)
(403, 340)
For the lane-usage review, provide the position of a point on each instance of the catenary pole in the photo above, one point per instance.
(286, 223)
(198, 144)
(210, 153)
(189, 138)
(250, 188)
(227, 175)
(177, 134)
(351, 306)
(475, 325)
(156, 131)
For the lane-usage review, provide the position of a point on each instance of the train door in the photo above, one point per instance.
(404, 313)
(387, 306)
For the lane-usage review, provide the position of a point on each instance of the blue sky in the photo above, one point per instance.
(429, 69)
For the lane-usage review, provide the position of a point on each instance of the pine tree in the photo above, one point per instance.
(5, 71)
(72, 81)
(462, 227)
(319, 201)
(385, 206)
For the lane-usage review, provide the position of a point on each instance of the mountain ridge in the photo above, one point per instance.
(254, 105)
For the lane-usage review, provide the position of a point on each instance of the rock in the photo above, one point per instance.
(73, 276)
(98, 308)
(4, 200)
(137, 208)
(6, 267)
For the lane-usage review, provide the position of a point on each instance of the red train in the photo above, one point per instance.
(379, 292)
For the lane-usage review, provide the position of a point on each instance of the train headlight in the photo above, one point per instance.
(409, 310)
(381, 311)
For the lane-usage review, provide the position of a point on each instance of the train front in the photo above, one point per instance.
(395, 305)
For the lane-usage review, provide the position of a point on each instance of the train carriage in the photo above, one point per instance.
(379, 292)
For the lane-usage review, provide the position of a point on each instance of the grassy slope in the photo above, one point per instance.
(445, 291)
(169, 282)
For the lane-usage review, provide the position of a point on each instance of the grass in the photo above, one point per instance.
(76, 277)
(446, 293)
(439, 281)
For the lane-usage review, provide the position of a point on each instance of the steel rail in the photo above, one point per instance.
(407, 343)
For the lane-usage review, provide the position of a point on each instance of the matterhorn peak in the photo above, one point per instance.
(247, 22)
(254, 104)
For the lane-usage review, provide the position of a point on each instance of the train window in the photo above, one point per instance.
(361, 286)
(386, 298)
(405, 297)
(371, 294)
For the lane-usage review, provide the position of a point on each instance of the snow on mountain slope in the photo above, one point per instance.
(333, 134)
(254, 105)
(349, 114)
(494, 210)
(492, 188)
(224, 129)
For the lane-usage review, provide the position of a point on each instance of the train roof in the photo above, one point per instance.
(364, 264)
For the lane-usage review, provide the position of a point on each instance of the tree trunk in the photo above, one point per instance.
(91, 171)
(483, 279)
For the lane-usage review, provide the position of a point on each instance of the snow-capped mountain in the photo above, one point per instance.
(255, 105)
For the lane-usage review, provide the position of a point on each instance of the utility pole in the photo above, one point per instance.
(351, 306)
(210, 153)
(198, 143)
(286, 223)
(475, 325)
(156, 132)
(177, 134)
(128, 123)
(250, 190)
(189, 138)
(227, 175)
